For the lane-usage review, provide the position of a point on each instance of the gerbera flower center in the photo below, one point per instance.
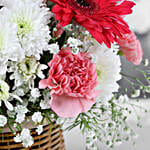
(83, 3)
(87, 7)
(1, 41)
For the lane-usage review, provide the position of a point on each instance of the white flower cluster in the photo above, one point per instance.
(21, 111)
(25, 138)
(24, 37)
(54, 48)
(4, 94)
(26, 71)
(31, 20)
(37, 117)
(44, 104)
(111, 129)
(9, 43)
(3, 121)
(35, 94)
(4, 91)
(25, 31)
(39, 129)
(74, 44)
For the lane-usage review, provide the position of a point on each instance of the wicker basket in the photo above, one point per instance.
(50, 139)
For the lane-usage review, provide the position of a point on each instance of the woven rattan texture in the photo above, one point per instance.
(50, 139)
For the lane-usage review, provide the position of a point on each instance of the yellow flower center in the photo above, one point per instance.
(24, 25)
(4, 91)
(98, 68)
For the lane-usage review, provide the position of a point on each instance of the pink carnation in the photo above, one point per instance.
(131, 48)
(72, 79)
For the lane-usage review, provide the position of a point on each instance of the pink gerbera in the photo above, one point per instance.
(102, 18)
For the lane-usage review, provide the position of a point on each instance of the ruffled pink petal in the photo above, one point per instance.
(43, 84)
(66, 106)
(131, 48)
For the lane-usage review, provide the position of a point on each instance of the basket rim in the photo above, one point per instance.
(26, 124)
(52, 139)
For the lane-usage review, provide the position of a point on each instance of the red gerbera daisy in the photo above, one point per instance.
(102, 18)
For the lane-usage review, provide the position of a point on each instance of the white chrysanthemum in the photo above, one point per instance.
(26, 71)
(4, 91)
(33, 31)
(4, 95)
(108, 70)
(25, 138)
(3, 121)
(37, 117)
(9, 44)
(139, 19)
(38, 2)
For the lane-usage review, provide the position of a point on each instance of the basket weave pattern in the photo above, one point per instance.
(50, 139)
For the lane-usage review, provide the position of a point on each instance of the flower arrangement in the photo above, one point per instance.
(60, 60)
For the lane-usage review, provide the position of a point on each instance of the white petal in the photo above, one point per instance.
(17, 97)
(9, 105)
(43, 67)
